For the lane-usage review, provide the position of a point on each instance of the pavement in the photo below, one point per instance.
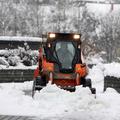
(9, 117)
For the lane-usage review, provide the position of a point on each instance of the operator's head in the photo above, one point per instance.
(64, 45)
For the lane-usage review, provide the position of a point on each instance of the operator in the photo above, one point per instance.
(64, 55)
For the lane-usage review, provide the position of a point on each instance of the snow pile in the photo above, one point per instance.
(112, 69)
(96, 74)
(53, 102)
(109, 69)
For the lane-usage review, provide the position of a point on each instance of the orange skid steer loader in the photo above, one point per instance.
(61, 62)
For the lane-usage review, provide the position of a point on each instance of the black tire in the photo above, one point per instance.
(88, 83)
(40, 81)
(93, 90)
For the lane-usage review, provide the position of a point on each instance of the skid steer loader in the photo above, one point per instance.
(61, 63)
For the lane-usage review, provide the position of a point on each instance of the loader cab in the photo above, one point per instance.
(64, 50)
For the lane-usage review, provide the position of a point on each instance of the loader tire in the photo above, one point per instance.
(88, 83)
(40, 81)
(93, 90)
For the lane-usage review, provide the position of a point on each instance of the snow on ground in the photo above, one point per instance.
(54, 103)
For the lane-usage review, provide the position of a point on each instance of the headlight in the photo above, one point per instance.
(76, 36)
(52, 35)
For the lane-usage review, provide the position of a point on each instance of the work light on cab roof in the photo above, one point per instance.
(52, 35)
(76, 36)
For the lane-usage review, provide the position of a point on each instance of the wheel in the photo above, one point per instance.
(88, 83)
(93, 90)
(40, 81)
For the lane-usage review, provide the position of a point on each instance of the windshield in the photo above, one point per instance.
(65, 52)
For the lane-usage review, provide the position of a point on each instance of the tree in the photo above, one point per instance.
(5, 17)
(109, 34)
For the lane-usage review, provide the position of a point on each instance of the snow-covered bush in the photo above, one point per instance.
(22, 55)
(27, 60)
(13, 60)
(27, 56)
(4, 62)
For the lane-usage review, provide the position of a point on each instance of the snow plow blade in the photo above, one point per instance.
(113, 82)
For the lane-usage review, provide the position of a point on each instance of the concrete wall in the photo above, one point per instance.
(13, 75)
(19, 75)
(112, 82)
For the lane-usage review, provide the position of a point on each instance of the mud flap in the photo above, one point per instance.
(113, 82)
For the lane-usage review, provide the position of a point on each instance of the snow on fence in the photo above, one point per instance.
(14, 42)
(13, 75)
(17, 38)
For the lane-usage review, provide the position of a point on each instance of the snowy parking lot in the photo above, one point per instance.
(56, 104)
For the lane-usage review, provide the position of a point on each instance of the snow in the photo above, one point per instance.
(54, 103)
(94, 59)
(99, 9)
(13, 59)
(96, 74)
(102, 9)
(19, 38)
(112, 69)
